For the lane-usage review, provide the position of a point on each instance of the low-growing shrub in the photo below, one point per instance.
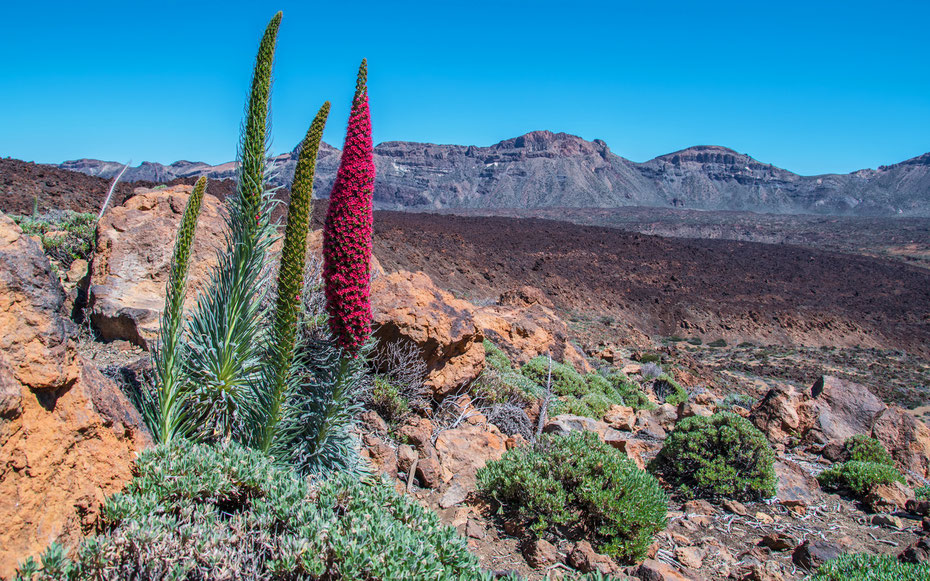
(858, 478)
(565, 380)
(65, 235)
(743, 400)
(577, 480)
(721, 456)
(495, 358)
(668, 390)
(865, 449)
(589, 395)
(204, 512)
(922, 493)
(862, 567)
(387, 400)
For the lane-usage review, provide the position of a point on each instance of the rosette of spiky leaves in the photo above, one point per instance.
(273, 388)
(347, 233)
(169, 417)
(315, 432)
(225, 330)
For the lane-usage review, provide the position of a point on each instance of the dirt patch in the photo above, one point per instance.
(712, 289)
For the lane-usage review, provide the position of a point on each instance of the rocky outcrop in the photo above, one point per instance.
(834, 410)
(524, 325)
(133, 257)
(68, 435)
(407, 306)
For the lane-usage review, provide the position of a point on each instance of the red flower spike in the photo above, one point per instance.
(347, 233)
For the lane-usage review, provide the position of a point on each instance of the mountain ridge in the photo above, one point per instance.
(545, 169)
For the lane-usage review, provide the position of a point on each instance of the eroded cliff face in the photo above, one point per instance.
(68, 436)
(545, 169)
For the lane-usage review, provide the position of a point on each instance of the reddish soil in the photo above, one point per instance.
(713, 289)
(27, 186)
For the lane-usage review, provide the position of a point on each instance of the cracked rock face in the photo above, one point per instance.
(133, 257)
(68, 435)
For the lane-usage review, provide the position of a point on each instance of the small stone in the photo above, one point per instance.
(888, 497)
(652, 570)
(454, 495)
(77, 271)
(919, 552)
(813, 553)
(474, 529)
(778, 542)
(764, 518)
(691, 557)
(680, 539)
(584, 558)
(918, 507)
(541, 553)
(735, 507)
(699, 506)
(888, 521)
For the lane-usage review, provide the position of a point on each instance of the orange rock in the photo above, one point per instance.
(68, 434)
(407, 306)
(464, 450)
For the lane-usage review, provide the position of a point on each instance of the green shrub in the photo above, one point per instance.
(858, 478)
(865, 449)
(495, 358)
(387, 400)
(736, 399)
(565, 380)
(589, 395)
(723, 455)
(668, 390)
(72, 234)
(922, 493)
(576, 479)
(650, 358)
(717, 343)
(862, 567)
(213, 512)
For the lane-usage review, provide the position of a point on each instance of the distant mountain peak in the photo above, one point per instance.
(555, 169)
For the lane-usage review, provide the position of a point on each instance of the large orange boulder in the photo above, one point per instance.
(68, 435)
(133, 259)
(407, 306)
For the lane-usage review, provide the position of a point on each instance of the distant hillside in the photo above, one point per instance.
(544, 169)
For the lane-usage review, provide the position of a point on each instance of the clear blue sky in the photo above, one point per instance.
(810, 86)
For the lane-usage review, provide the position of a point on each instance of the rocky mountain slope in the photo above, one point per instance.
(544, 169)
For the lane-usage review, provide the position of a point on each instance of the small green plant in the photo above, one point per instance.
(721, 456)
(865, 449)
(565, 380)
(718, 343)
(495, 358)
(731, 400)
(650, 358)
(922, 493)
(197, 511)
(589, 395)
(387, 400)
(65, 235)
(668, 390)
(575, 479)
(863, 567)
(858, 478)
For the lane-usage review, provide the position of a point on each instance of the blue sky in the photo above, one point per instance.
(810, 86)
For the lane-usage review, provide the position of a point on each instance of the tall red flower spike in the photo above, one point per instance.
(347, 234)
